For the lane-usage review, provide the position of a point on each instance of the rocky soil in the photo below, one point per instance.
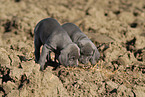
(116, 27)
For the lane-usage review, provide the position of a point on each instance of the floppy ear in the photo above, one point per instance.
(63, 58)
(95, 57)
(79, 44)
(97, 54)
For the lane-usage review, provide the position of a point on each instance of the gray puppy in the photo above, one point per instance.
(88, 51)
(49, 33)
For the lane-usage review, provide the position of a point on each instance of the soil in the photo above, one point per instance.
(116, 27)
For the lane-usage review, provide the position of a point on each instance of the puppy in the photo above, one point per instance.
(49, 33)
(88, 51)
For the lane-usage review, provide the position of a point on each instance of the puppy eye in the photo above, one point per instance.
(81, 53)
(72, 58)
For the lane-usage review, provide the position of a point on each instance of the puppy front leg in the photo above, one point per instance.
(49, 57)
(37, 44)
(44, 53)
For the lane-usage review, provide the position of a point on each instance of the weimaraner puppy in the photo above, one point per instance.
(88, 51)
(49, 33)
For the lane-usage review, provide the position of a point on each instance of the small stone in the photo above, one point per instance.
(16, 73)
(112, 84)
(1, 94)
(102, 39)
(9, 86)
(4, 58)
(122, 61)
(139, 91)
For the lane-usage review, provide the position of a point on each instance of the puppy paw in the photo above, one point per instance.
(36, 61)
(41, 67)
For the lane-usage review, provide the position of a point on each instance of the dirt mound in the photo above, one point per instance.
(21, 77)
(116, 27)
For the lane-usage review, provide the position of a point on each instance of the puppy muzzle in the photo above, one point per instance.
(83, 60)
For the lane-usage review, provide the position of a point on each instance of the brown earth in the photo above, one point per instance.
(117, 27)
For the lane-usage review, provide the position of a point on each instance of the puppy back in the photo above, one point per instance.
(74, 32)
(46, 28)
(71, 28)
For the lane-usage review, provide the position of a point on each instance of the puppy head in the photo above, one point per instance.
(86, 51)
(69, 55)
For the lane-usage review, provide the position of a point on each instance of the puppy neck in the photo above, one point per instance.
(84, 42)
(77, 37)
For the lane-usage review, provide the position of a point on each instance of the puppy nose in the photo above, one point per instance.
(84, 61)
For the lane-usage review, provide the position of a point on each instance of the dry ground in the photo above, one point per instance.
(117, 27)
